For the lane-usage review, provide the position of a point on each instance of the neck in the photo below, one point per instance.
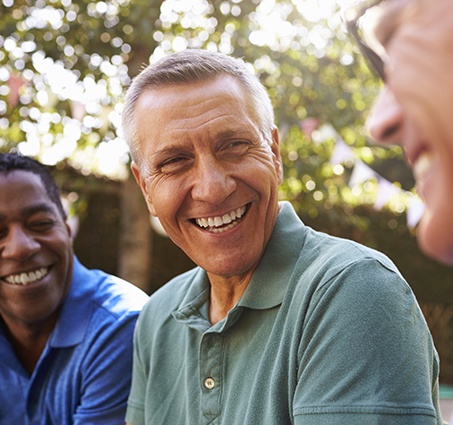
(28, 341)
(225, 294)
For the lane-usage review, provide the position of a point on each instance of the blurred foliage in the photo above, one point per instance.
(68, 62)
(64, 66)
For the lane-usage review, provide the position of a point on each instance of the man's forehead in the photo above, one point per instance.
(159, 96)
(24, 185)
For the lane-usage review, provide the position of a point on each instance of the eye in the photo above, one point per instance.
(42, 225)
(235, 147)
(41, 221)
(174, 164)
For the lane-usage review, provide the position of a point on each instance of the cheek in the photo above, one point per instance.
(165, 198)
(435, 232)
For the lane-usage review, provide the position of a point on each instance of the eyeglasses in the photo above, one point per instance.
(353, 17)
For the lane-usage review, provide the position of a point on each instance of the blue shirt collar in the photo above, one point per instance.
(76, 310)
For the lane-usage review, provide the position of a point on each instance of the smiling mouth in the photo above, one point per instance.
(220, 224)
(422, 165)
(28, 278)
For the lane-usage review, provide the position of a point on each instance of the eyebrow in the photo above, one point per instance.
(221, 135)
(41, 207)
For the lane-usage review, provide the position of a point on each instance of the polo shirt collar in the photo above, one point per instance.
(269, 282)
(268, 285)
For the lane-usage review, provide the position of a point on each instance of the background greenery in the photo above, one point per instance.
(64, 65)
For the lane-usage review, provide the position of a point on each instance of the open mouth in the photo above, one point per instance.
(220, 224)
(27, 278)
(422, 165)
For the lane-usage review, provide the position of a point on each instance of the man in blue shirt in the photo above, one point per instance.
(65, 331)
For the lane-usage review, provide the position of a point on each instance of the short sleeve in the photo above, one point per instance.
(366, 355)
(106, 374)
(135, 414)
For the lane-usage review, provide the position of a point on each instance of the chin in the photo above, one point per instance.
(435, 242)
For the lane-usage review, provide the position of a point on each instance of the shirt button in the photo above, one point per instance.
(209, 383)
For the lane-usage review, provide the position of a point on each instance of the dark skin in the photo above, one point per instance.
(28, 344)
(36, 259)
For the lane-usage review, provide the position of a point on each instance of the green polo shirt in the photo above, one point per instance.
(327, 332)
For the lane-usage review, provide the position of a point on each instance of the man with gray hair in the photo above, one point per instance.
(278, 324)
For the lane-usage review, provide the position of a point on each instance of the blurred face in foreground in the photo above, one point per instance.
(36, 254)
(208, 172)
(415, 107)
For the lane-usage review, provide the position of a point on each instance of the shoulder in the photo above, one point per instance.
(185, 289)
(332, 272)
(108, 293)
(171, 295)
(334, 255)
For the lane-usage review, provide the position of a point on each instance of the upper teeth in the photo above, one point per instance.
(27, 278)
(422, 165)
(221, 220)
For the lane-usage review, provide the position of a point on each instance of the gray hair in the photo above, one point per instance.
(190, 66)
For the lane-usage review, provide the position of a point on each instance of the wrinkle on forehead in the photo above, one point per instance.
(390, 16)
(194, 110)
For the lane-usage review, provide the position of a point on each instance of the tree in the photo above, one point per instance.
(65, 65)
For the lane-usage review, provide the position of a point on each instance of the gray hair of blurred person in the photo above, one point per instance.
(191, 66)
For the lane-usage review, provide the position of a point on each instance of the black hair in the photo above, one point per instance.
(14, 161)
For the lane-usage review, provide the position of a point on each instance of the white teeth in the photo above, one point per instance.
(27, 278)
(227, 219)
(422, 165)
(215, 222)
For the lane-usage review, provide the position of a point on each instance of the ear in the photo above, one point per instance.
(141, 182)
(277, 156)
(69, 229)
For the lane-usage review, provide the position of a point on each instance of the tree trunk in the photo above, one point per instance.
(135, 247)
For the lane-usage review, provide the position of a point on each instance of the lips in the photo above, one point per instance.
(219, 224)
(26, 278)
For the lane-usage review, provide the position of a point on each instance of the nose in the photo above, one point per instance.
(385, 121)
(213, 182)
(18, 245)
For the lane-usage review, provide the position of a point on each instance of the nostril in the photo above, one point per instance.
(390, 133)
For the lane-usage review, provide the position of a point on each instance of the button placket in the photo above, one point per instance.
(211, 366)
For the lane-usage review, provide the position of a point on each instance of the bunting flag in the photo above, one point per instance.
(385, 192)
(78, 110)
(415, 211)
(341, 154)
(309, 125)
(15, 82)
(361, 173)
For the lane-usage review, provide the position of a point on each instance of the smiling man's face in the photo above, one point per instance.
(414, 108)
(36, 254)
(208, 173)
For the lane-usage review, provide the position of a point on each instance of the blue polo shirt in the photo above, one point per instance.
(326, 333)
(83, 375)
